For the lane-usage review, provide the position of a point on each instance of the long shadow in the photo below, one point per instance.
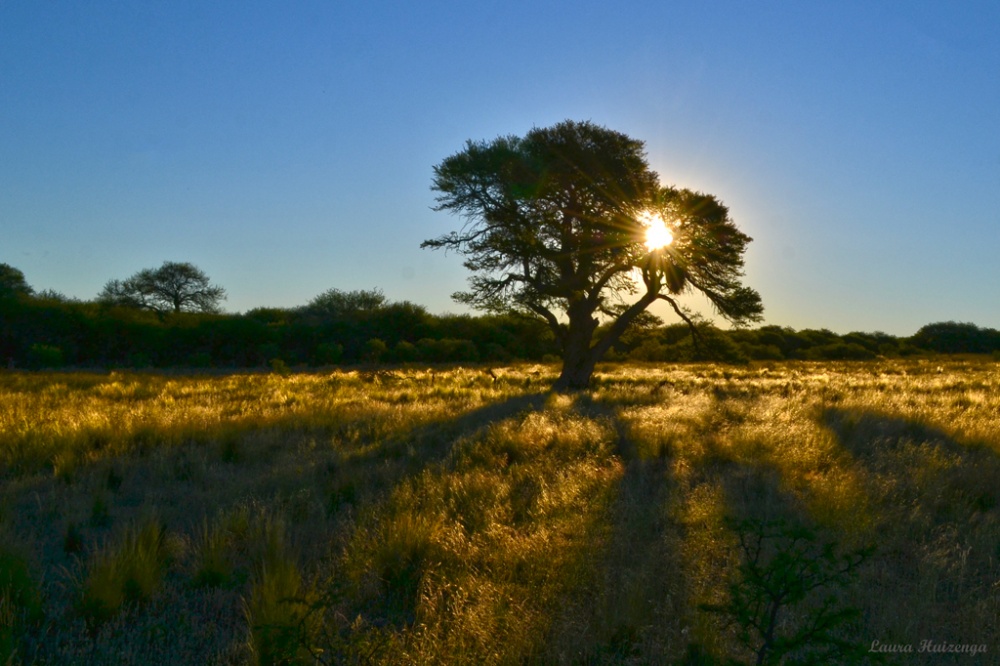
(627, 611)
(925, 463)
(639, 608)
(321, 493)
(937, 507)
(387, 596)
(405, 457)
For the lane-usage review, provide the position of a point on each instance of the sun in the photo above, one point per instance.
(658, 236)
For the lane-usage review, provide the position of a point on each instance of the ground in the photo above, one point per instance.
(421, 515)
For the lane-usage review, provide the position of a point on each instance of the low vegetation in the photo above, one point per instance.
(757, 514)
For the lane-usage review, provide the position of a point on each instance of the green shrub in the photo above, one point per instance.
(405, 351)
(200, 360)
(448, 350)
(328, 353)
(375, 349)
(45, 356)
(782, 567)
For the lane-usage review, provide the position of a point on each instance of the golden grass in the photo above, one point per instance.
(439, 516)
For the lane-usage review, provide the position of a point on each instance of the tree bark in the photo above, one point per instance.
(579, 358)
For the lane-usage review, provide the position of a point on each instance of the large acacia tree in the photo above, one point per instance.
(173, 287)
(556, 226)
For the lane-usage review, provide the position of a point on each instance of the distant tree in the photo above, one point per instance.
(12, 282)
(558, 226)
(173, 287)
(337, 304)
(54, 296)
(956, 338)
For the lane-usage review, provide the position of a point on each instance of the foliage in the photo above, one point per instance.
(337, 304)
(12, 283)
(44, 356)
(782, 566)
(173, 287)
(554, 229)
(38, 331)
(953, 338)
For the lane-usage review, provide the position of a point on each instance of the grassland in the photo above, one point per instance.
(438, 516)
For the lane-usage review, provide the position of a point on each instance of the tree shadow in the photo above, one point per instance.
(936, 502)
(924, 463)
(627, 610)
(671, 546)
(320, 493)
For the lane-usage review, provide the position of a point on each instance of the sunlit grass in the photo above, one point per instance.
(448, 516)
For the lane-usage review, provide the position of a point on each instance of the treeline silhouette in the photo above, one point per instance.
(47, 330)
(40, 332)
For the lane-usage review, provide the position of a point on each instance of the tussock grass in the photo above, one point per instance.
(444, 516)
(128, 570)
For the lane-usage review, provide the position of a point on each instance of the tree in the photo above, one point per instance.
(12, 282)
(337, 304)
(173, 287)
(557, 225)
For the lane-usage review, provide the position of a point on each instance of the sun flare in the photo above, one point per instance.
(658, 236)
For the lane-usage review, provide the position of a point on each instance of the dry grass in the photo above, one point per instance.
(422, 516)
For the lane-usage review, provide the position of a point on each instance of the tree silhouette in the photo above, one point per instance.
(337, 304)
(12, 282)
(555, 228)
(173, 287)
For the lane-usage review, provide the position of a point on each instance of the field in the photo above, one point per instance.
(673, 514)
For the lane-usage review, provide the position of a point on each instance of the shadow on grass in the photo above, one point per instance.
(937, 507)
(909, 463)
(627, 609)
(676, 545)
(315, 478)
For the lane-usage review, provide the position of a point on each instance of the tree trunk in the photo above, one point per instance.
(579, 359)
(576, 373)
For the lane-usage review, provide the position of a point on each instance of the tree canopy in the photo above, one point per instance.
(556, 227)
(173, 287)
(12, 282)
(335, 303)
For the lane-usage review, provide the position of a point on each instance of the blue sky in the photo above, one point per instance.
(287, 148)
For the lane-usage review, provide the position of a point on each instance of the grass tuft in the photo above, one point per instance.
(130, 570)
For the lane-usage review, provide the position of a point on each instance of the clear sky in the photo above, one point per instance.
(287, 148)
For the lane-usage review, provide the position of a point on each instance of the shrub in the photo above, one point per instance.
(44, 356)
(375, 349)
(841, 351)
(328, 353)
(200, 360)
(448, 350)
(405, 351)
(782, 566)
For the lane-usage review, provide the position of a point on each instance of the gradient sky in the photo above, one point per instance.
(287, 148)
